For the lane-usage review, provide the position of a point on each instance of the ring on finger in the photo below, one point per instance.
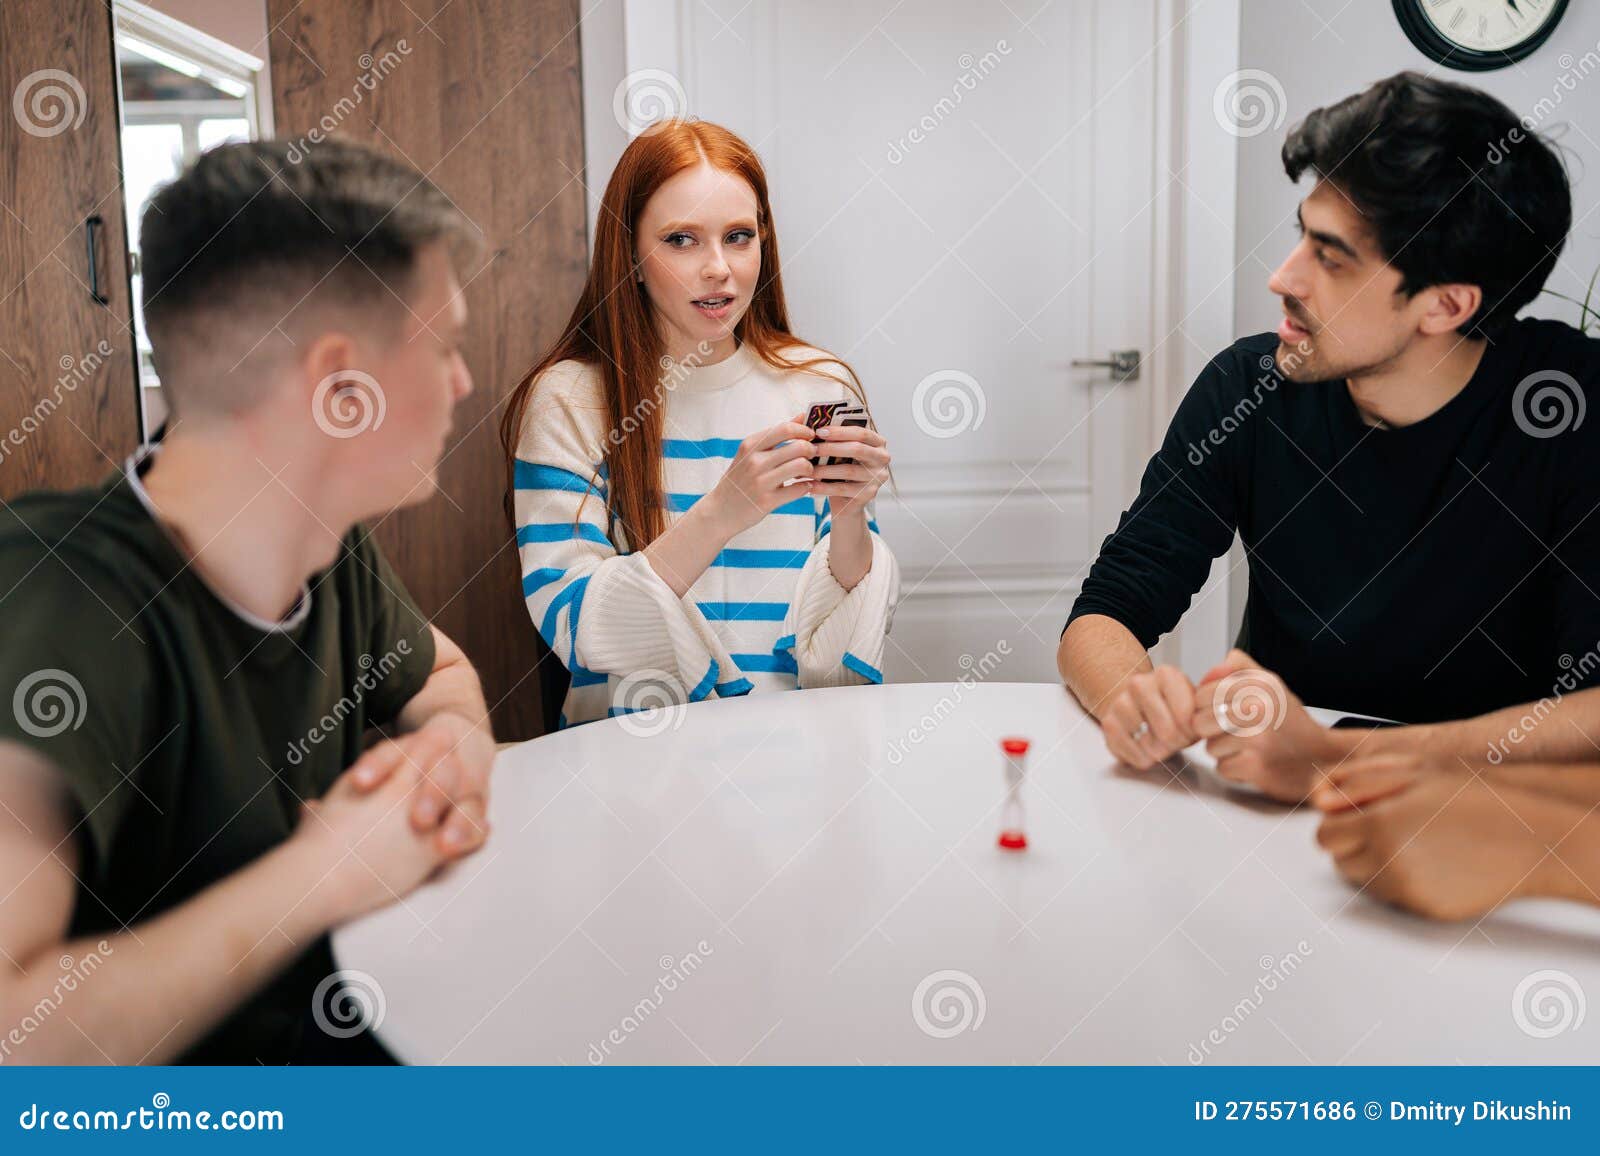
(1140, 731)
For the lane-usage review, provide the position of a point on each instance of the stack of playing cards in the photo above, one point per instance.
(835, 413)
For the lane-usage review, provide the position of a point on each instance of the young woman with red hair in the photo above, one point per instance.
(672, 528)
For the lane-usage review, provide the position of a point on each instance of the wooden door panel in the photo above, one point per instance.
(484, 98)
(68, 385)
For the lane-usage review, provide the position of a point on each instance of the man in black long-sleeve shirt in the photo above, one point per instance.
(1407, 465)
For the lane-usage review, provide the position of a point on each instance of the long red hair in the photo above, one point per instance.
(611, 328)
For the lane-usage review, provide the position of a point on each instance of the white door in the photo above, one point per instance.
(967, 200)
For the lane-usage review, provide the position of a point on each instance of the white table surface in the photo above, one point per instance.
(806, 861)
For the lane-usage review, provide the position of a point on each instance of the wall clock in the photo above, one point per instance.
(1478, 35)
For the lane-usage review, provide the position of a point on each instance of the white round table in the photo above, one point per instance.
(814, 877)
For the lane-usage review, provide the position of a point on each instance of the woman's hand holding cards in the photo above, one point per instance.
(848, 473)
(855, 467)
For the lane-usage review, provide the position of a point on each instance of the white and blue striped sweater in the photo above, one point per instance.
(766, 615)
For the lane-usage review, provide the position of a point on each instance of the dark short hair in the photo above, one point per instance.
(1455, 188)
(263, 226)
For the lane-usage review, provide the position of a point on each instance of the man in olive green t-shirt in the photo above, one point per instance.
(195, 649)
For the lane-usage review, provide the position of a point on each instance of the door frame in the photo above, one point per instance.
(1196, 231)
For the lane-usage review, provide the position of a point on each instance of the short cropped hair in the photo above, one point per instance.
(1456, 188)
(255, 233)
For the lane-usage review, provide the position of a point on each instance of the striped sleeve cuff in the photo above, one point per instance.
(633, 622)
(839, 635)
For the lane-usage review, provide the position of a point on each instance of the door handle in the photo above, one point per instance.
(90, 227)
(1123, 364)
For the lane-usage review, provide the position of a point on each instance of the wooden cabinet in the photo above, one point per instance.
(68, 388)
(484, 98)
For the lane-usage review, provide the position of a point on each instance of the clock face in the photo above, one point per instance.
(1479, 34)
(1488, 25)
